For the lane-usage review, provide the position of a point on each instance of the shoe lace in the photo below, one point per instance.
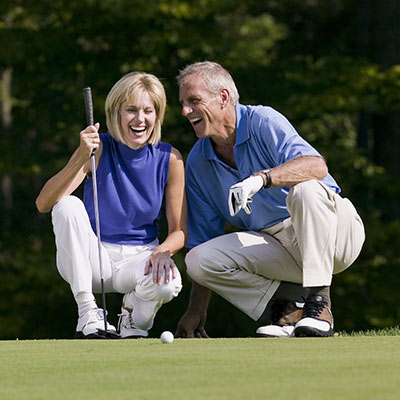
(313, 306)
(125, 321)
(97, 313)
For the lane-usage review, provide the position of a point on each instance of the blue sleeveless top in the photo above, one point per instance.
(130, 185)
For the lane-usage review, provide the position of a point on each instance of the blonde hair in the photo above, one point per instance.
(215, 78)
(127, 88)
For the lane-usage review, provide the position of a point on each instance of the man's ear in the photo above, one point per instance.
(225, 97)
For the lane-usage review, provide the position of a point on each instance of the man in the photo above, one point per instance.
(251, 168)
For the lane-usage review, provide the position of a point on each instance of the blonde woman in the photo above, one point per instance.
(135, 171)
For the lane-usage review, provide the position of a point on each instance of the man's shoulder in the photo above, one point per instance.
(255, 116)
(261, 111)
(261, 118)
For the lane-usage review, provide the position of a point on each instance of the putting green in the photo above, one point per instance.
(361, 367)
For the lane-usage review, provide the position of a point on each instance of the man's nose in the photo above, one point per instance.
(186, 110)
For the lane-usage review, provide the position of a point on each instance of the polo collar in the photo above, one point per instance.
(242, 134)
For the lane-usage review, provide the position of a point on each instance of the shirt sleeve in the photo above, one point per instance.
(204, 223)
(281, 140)
(277, 142)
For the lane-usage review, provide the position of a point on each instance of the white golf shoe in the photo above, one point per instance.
(317, 319)
(91, 326)
(127, 329)
(275, 331)
(284, 316)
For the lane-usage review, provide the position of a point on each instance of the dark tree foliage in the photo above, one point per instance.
(332, 67)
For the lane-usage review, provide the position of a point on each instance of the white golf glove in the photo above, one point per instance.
(241, 193)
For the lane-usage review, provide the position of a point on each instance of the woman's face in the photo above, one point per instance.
(138, 117)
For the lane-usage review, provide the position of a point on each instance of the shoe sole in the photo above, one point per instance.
(100, 334)
(270, 336)
(307, 331)
(134, 337)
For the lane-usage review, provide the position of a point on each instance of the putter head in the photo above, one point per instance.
(99, 334)
(103, 334)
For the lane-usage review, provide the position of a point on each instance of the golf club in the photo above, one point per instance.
(87, 94)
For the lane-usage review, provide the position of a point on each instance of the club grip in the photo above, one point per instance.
(87, 95)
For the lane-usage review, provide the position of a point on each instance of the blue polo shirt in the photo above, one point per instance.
(264, 139)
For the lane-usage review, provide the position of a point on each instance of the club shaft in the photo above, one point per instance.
(87, 94)
(97, 220)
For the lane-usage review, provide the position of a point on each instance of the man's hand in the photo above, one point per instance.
(241, 193)
(191, 325)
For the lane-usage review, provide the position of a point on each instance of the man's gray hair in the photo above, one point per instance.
(215, 78)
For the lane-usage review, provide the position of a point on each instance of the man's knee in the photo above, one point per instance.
(193, 261)
(308, 195)
(304, 192)
(200, 263)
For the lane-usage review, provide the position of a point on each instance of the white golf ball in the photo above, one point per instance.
(167, 337)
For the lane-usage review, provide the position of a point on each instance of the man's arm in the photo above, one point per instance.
(300, 169)
(191, 325)
(297, 170)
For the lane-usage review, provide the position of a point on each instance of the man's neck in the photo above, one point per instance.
(225, 141)
(224, 149)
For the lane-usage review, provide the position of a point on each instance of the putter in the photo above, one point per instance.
(87, 95)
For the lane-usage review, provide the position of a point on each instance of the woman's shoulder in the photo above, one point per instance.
(173, 152)
(106, 139)
(163, 146)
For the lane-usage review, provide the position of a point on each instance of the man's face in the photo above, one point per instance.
(200, 107)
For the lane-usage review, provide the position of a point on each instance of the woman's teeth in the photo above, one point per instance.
(138, 130)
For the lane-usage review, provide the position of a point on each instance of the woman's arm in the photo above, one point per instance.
(176, 213)
(74, 172)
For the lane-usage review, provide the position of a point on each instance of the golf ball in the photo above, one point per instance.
(167, 337)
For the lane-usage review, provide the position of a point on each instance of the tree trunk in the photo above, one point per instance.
(6, 180)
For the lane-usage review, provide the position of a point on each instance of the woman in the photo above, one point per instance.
(134, 172)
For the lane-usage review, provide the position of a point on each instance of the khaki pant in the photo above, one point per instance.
(323, 236)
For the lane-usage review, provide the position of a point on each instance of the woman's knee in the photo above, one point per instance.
(68, 205)
(147, 290)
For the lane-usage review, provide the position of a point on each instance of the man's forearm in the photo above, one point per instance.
(199, 299)
(299, 170)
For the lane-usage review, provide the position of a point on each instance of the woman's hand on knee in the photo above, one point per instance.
(161, 265)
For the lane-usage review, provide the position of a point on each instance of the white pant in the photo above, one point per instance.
(323, 236)
(123, 265)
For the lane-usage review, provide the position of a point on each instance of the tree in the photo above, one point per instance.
(330, 66)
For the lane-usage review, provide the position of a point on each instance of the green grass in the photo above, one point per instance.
(344, 367)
